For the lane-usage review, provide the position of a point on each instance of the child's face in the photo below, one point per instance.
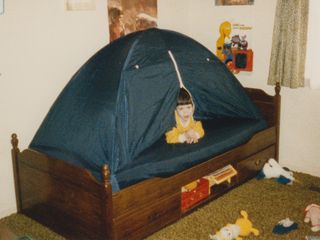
(185, 112)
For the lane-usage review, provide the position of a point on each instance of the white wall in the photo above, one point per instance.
(174, 15)
(42, 46)
(313, 47)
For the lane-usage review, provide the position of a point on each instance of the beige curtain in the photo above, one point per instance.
(288, 54)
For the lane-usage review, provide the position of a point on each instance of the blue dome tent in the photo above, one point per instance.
(122, 100)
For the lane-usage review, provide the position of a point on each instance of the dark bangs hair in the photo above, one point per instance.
(184, 97)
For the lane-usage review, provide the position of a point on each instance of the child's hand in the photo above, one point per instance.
(191, 140)
(191, 136)
(191, 133)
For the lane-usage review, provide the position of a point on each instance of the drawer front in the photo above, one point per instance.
(145, 220)
(248, 168)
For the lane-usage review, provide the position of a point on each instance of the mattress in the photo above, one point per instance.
(163, 160)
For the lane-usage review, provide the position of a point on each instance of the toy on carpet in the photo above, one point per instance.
(242, 228)
(284, 226)
(312, 213)
(272, 169)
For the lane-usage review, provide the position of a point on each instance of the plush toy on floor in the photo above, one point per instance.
(242, 228)
(312, 213)
(272, 169)
(285, 226)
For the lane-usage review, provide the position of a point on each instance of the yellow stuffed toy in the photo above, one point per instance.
(242, 228)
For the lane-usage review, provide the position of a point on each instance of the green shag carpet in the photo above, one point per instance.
(266, 201)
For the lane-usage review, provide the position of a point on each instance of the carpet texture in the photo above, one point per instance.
(266, 201)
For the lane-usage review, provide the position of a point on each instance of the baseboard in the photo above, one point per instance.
(311, 170)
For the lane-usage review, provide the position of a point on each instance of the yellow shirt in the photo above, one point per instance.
(172, 136)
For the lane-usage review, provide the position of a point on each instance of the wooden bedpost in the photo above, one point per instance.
(277, 102)
(14, 154)
(107, 202)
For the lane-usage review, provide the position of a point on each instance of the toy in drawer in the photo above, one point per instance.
(190, 197)
(221, 175)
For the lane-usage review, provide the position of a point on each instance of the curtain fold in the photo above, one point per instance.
(288, 54)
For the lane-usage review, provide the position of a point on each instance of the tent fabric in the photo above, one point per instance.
(122, 100)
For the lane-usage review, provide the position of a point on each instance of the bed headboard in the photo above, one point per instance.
(269, 107)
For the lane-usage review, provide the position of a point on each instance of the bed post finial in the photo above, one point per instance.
(14, 141)
(105, 175)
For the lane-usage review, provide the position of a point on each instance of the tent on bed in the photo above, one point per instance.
(122, 101)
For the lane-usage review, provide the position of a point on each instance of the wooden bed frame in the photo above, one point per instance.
(72, 203)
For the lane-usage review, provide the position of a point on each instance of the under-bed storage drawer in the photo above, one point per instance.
(143, 221)
(249, 167)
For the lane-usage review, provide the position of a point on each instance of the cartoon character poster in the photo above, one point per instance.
(126, 16)
(233, 46)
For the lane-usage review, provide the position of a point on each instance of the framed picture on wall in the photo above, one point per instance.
(126, 16)
(233, 2)
(1, 7)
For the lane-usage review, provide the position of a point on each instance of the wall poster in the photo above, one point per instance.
(233, 46)
(126, 16)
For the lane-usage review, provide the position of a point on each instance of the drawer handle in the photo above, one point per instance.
(258, 162)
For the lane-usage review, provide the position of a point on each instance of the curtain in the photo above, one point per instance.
(288, 54)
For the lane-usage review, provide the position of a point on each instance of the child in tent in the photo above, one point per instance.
(187, 130)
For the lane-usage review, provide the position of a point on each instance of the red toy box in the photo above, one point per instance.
(190, 198)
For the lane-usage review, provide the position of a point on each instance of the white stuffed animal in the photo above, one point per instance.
(272, 169)
(229, 232)
(243, 227)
